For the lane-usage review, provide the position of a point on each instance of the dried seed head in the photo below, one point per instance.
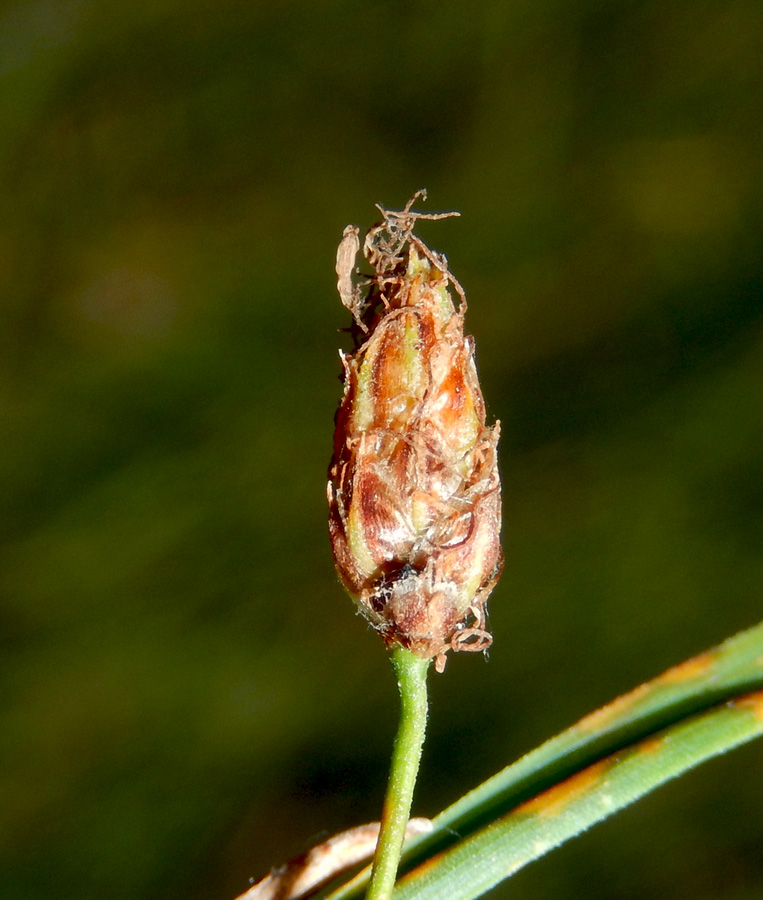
(414, 491)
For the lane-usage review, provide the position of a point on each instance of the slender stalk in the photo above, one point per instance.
(412, 681)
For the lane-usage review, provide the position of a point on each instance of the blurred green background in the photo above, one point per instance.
(187, 695)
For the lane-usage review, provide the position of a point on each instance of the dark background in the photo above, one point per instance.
(187, 695)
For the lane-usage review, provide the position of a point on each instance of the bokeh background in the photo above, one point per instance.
(187, 696)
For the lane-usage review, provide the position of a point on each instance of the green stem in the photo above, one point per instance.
(412, 681)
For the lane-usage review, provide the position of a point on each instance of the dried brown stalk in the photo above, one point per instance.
(308, 873)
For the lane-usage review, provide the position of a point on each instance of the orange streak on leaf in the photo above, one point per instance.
(556, 799)
(601, 718)
(754, 702)
(686, 671)
(650, 746)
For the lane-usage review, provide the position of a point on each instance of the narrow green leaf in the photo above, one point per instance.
(701, 683)
(734, 667)
(478, 863)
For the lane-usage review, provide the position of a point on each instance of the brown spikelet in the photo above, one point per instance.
(414, 490)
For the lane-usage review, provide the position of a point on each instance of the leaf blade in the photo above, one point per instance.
(732, 668)
(478, 863)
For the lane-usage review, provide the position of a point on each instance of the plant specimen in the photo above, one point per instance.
(414, 519)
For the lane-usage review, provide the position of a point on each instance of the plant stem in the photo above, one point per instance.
(412, 681)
